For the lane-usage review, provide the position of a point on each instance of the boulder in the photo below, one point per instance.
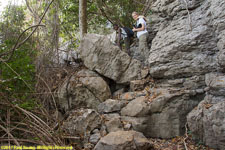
(111, 105)
(136, 108)
(99, 54)
(124, 140)
(139, 124)
(112, 122)
(83, 89)
(81, 122)
(113, 125)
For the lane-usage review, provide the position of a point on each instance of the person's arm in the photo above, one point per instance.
(139, 29)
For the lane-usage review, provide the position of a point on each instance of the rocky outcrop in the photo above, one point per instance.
(124, 140)
(207, 121)
(188, 44)
(83, 89)
(99, 54)
(184, 48)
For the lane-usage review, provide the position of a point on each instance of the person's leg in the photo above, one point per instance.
(127, 44)
(143, 46)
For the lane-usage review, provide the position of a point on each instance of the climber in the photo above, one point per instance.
(142, 33)
(123, 34)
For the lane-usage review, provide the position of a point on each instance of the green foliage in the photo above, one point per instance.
(120, 11)
(17, 75)
(29, 104)
(99, 14)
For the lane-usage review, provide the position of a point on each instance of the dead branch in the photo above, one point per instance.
(136, 1)
(104, 13)
(29, 8)
(186, 136)
(49, 90)
(4, 129)
(17, 45)
(146, 8)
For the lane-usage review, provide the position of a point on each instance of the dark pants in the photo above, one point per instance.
(127, 42)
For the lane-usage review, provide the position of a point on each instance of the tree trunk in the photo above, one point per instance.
(82, 17)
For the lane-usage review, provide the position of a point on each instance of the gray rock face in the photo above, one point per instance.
(131, 95)
(84, 89)
(137, 85)
(110, 106)
(136, 108)
(112, 122)
(178, 51)
(81, 122)
(99, 54)
(216, 84)
(207, 122)
(184, 49)
(168, 109)
(139, 124)
(94, 138)
(114, 125)
(124, 140)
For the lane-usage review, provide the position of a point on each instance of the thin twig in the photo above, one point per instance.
(146, 8)
(186, 136)
(34, 117)
(49, 91)
(15, 141)
(8, 124)
(140, 3)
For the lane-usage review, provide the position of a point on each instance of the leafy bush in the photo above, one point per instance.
(16, 75)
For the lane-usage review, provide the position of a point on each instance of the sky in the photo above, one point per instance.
(4, 3)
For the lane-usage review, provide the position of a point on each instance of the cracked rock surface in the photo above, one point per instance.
(100, 55)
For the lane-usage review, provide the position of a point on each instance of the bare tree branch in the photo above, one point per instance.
(136, 1)
(15, 141)
(17, 42)
(107, 16)
(17, 45)
(146, 7)
(29, 8)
